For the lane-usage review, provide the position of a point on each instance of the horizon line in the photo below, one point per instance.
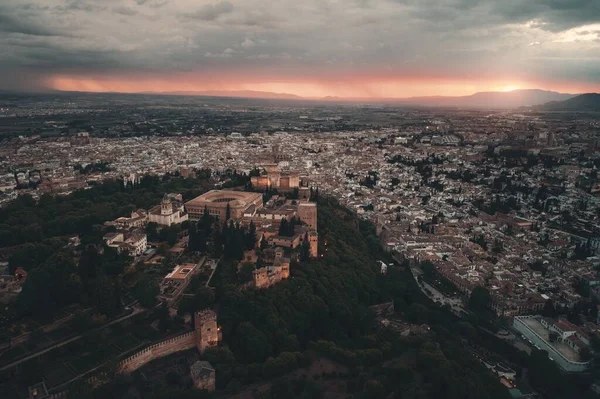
(285, 96)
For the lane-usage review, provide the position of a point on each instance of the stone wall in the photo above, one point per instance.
(158, 350)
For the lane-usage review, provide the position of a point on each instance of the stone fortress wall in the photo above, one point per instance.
(205, 335)
(179, 343)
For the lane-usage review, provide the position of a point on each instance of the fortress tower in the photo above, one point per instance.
(260, 277)
(313, 239)
(308, 214)
(207, 333)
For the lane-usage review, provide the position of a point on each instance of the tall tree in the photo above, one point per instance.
(549, 309)
(201, 241)
(193, 238)
(90, 265)
(218, 239)
(305, 249)
(263, 243)
(283, 227)
(146, 291)
(480, 299)
(251, 236)
(206, 221)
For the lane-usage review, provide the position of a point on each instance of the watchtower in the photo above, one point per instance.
(308, 214)
(207, 332)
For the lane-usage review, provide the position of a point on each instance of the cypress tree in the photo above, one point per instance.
(263, 243)
(251, 237)
(283, 227)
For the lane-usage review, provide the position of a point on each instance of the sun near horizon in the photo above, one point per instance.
(510, 88)
(353, 87)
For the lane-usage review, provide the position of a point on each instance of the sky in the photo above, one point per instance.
(311, 48)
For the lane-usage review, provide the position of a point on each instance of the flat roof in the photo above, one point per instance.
(543, 332)
(180, 272)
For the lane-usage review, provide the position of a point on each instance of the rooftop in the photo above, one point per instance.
(180, 272)
(542, 331)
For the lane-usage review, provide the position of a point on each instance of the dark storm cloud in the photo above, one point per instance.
(124, 10)
(12, 24)
(211, 12)
(151, 3)
(554, 15)
(82, 5)
(557, 14)
(313, 38)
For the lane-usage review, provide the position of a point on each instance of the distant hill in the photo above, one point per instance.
(490, 99)
(232, 93)
(582, 102)
(481, 100)
(493, 99)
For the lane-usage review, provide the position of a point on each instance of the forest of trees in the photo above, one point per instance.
(321, 311)
(35, 236)
(25, 221)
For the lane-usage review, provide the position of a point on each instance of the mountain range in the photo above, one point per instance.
(232, 94)
(492, 99)
(582, 103)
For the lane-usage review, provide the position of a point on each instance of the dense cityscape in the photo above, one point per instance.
(172, 228)
(316, 199)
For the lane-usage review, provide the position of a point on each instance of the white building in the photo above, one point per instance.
(563, 349)
(170, 211)
(135, 243)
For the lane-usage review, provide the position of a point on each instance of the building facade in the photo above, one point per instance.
(132, 242)
(216, 203)
(170, 211)
(273, 178)
(307, 212)
(277, 270)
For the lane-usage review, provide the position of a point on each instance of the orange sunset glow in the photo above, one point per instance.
(351, 88)
(312, 48)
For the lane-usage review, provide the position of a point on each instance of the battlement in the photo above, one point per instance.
(205, 335)
(164, 348)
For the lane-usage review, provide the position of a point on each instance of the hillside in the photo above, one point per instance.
(584, 102)
(233, 94)
(493, 99)
(322, 311)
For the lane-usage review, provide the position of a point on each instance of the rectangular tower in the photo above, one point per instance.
(308, 214)
(313, 240)
(207, 332)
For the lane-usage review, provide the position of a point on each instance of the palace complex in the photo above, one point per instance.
(216, 202)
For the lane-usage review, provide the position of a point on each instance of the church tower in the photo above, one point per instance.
(165, 206)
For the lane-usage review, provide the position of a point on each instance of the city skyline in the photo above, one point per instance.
(313, 49)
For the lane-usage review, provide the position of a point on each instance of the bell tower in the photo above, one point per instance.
(165, 206)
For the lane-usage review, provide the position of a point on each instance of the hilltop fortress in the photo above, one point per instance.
(286, 226)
